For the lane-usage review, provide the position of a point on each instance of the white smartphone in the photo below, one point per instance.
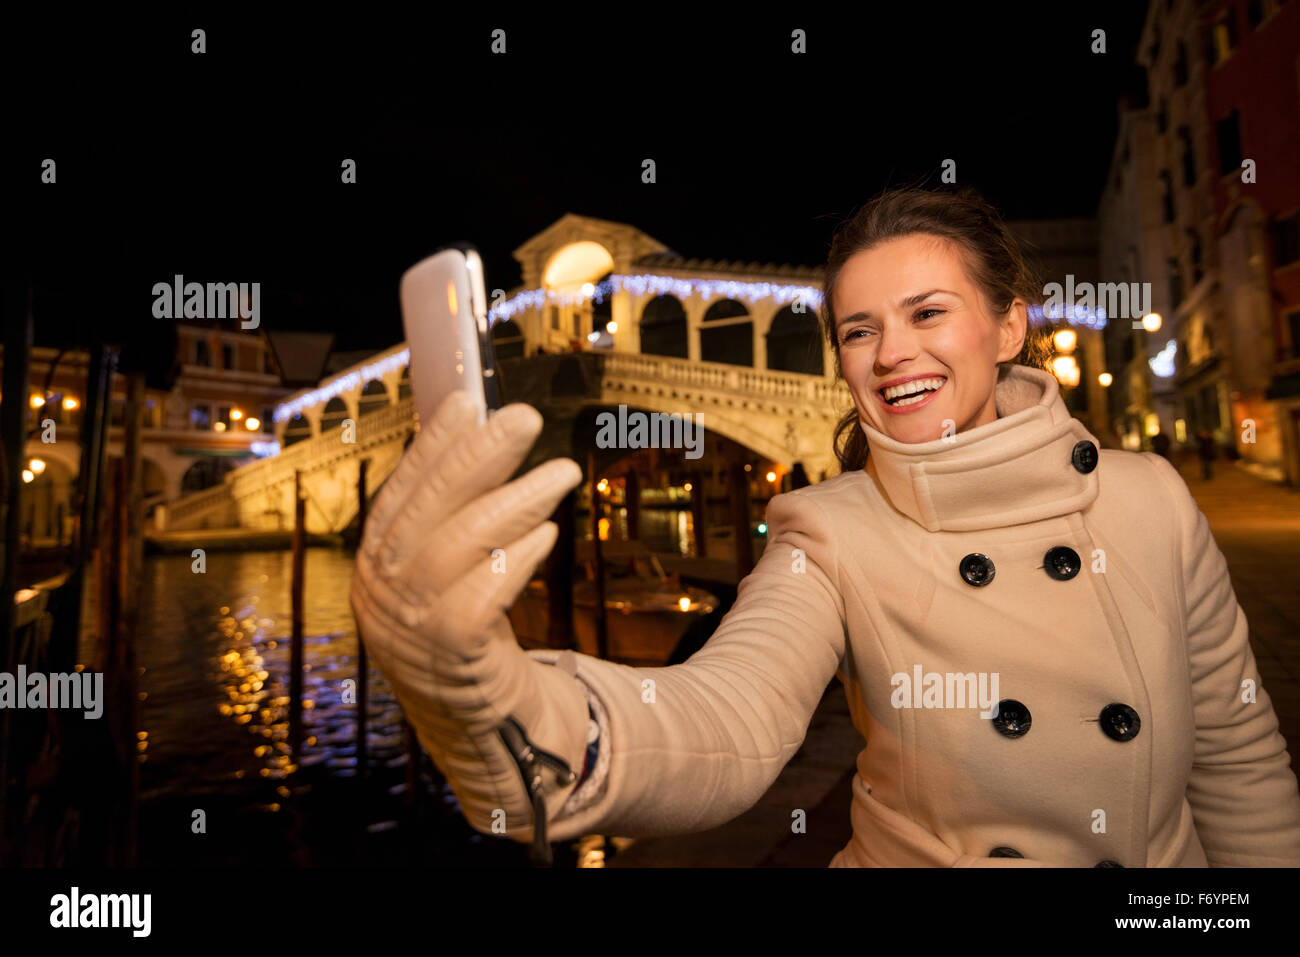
(444, 312)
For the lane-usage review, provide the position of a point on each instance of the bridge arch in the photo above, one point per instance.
(727, 333)
(794, 343)
(663, 327)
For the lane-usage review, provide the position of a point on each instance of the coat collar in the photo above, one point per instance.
(1017, 469)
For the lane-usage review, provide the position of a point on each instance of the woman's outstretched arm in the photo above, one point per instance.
(448, 548)
(691, 746)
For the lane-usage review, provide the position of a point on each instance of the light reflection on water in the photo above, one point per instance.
(214, 650)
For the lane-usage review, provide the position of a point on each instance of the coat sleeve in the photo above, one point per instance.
(693, 745)
(1242, 791)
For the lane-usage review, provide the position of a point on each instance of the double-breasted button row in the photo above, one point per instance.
(1003, 851)
(1118, 721)
(1061, 563)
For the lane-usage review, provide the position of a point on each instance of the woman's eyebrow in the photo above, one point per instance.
(902, 304)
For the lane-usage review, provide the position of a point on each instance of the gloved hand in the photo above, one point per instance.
(429, 595)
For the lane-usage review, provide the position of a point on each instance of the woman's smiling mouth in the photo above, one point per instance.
(911, 394)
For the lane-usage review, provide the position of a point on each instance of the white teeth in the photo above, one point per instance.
(908, 388)
(910, 400)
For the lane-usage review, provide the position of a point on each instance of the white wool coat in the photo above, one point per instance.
(1133, 729)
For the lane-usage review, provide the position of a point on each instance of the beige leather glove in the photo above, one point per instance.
(429, 595)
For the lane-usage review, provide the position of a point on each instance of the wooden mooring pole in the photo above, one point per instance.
(362, 665)
(295, 642)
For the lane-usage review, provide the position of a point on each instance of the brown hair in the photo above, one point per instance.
(993, 257)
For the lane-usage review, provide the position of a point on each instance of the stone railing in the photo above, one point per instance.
(738, 381)
(189, 511)
(310, 455)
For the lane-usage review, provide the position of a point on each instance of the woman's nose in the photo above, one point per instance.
(898, 343)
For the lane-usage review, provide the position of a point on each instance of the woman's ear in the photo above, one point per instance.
(1013, 328)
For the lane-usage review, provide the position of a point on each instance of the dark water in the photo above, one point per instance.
(214, 655)
(214, 724)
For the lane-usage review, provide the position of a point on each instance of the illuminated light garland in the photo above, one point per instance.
(652, 284)
(538, 299)
(1075, 315)
(264, 449)
(344, 383)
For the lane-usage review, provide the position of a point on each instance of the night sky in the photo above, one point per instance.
(225, 167)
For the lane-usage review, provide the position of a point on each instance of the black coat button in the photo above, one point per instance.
(976, 569)
(1005, 852)
(1062, 563)
(1108, 863)
(1084, 456)
(1013, 718)
(1120, 722)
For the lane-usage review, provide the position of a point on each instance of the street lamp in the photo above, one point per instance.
(1151, 321)
(1105, 379)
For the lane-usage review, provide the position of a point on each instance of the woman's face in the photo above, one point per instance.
(909, 315)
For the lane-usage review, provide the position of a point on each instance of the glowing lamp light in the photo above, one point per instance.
(611, 326)
(1162, 364)
(604, 529)
(37, 466)
(684, 603)
(37, 401)
(27, 475)
(771, 476)
(1065, 340)
(1066, 370)
(588, 290)
(1152, 424)
(219, 427)
(236, 414)
(762, 528)
(687, 487)
(1151, 321)
(1105, 378)
(69, 403)
(252, 423)
(603, 486)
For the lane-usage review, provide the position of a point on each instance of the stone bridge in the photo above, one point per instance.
(781, 417)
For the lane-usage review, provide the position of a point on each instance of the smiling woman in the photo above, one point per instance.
(987, 541)
(927, 308)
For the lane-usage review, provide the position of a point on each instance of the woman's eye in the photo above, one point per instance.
(854, 333)
(927, 313)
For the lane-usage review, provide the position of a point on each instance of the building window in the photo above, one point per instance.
(268, 418)
(1175, 283)
(1293, 326)
(1167, 196)
(227, 356)
(1180, 65)
(555, 318)
(1162, 117)
(201, 416)
(1188, 156)
(1229, 135)
(1257, 11)
(1286, 240)
(223, 415)
(268, 366)
(202, 357)
(1194, 252)
(1223, 37)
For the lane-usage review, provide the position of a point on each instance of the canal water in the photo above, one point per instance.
(213, 718)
